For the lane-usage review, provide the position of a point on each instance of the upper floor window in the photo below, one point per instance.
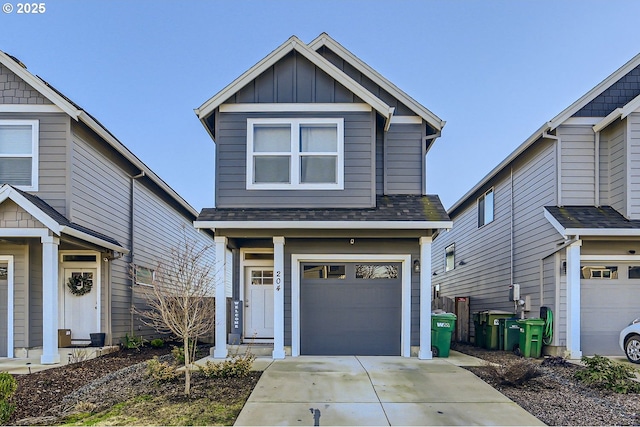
(19, 153)
(485, 208)
(450, 257)
(295, 154)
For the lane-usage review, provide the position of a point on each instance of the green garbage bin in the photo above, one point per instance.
(531, 337)
(509, 334)
(442, 325)
(492, 328)
(478, 329)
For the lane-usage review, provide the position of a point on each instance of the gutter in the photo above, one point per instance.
(131, 242)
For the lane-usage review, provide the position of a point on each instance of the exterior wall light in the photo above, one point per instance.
(416, 266)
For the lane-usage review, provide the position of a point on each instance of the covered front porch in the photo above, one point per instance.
(42, 255)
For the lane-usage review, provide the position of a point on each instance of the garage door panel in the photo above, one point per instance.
(606, 306)
(350, 316)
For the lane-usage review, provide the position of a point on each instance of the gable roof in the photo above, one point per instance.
(309, 52)
(55, 221)
(78, 114)
(558, 120)
(325, 40)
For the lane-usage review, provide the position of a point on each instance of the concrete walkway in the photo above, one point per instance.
(350, 390)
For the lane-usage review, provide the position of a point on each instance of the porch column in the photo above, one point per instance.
(425, 298)
(278, 297)
(573, 300)
(50, 300)
(220, 349)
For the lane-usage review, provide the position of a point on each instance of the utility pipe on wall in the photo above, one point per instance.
(558, 164)
(131, 237)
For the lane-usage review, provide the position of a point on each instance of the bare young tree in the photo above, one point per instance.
(181, 298)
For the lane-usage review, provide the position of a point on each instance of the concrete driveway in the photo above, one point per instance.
(350, 390)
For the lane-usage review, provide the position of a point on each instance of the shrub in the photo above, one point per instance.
(235, 366)
(161, 371)
(132, 342)
(602, 373)
(157, 343)
(514, 373)
(178, 352)
(8, 387)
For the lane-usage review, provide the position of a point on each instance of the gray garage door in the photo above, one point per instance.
(350, 309)
(608, 302)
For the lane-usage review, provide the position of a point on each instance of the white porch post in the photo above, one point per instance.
(278, 297)
(425, 298)
(50, 300)
(573, 300)
(220, 349)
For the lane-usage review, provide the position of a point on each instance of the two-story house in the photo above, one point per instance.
(560, 217)
(83, 222)
(321, 199)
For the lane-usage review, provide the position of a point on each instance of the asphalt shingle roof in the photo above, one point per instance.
(388, 208)
(62, 220)
(591, 217)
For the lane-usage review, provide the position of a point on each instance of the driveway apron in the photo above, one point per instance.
(376, 390)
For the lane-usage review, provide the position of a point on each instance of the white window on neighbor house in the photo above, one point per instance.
(295, 154)
(19, 153)
(450, 257)
(144, 276)
(485, 208)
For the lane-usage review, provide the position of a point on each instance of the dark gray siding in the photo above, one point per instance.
(293, 79)
(403, 159)
(619, 94)
(401, 109)
(231, 155)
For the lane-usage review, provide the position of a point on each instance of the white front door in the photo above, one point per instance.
(80, 312)
(4, 308)
(258, 303)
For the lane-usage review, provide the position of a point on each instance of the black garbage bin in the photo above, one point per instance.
(97, 339)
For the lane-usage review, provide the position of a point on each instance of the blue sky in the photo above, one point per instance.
(494, 70)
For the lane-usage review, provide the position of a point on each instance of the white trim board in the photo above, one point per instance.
(294, 107)
(326, 225)
(404, 259)
(10, 301)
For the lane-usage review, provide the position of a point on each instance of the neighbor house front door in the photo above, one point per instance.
(258, 303)
(80, 308)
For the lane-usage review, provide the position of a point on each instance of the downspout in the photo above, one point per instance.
(597, 169)
(512, 274)
(131, 237)
(558, 164)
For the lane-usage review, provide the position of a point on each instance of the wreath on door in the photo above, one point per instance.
(80, 284)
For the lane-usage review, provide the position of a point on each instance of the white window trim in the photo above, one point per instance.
(453, 266)
(294, 154)
(493, 207)
(405, 260)
(35, 132)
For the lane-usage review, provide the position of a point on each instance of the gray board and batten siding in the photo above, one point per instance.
(375, 162)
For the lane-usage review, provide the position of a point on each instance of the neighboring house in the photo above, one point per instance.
(74, 202)
(321, 200)
(560, 216)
